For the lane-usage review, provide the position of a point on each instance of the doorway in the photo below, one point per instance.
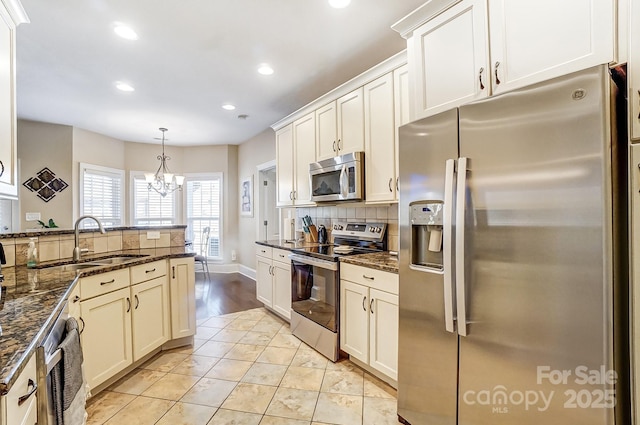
(268, 215)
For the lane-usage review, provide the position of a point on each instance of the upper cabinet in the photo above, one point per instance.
(295, 150)
(633, 70)
(11, 15)
(457, 55)
(340, 126)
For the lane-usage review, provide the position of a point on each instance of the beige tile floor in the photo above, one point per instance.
(245, 369)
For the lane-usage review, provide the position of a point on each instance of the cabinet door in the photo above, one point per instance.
(354, 320)
(284, 165)
(106, 335)
(379, 135)
(537, 40)
(383, 338)
(264, 281)
(183, 297)
(25, 413)
(74, 302)
(401, 106)
(326, 132)
(449, 59)
(282, 288)
(304, 139)
(350, 120)
(7, 106)
(635, 266)
(633, 69)
(150, 319)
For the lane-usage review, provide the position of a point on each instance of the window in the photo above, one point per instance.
(101, 195)
(149, 208)
(203, 206)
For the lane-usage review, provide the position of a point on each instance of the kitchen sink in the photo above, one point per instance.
(71, 267)
(116, 260)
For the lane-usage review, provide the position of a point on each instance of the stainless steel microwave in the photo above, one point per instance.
(338, 179)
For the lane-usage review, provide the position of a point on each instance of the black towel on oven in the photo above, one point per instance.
(66, 376)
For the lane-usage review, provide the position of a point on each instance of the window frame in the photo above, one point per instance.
(84, 167)
(132, 202)
(206, 176)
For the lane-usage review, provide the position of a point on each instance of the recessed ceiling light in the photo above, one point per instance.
(124, 31)
(339, 4)
(228, 107)
(265, 69)
(124, 86)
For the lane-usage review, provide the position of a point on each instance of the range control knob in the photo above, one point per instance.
(378, 229)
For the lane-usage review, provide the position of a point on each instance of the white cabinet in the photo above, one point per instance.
(15, 411)
(633, 70)
(634, 177)
(182, 286)
(401, 109)
(150, 321)
(369, 317)
(273, 280)
(295, 150)
(106, 335)
(340, 126)
(9, 18)
(522, 43)
(380, 140)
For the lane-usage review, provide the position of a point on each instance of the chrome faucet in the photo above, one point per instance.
(77, 252)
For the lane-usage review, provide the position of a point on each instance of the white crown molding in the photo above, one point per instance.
(16, 11)
(427, 11)
(369, 75)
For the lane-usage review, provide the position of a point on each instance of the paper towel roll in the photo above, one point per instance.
(435, 240)
(289, 229)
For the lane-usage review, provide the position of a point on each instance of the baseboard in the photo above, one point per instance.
(230, 268)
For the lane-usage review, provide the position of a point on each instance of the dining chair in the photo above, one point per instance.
(201, 257)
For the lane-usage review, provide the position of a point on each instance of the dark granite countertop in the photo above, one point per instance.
(32, 298)
(60, 231)
(377, 260)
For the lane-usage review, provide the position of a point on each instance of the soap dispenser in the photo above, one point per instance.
(32, 253)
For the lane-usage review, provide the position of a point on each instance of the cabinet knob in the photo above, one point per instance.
(496, 72)
(480, 78)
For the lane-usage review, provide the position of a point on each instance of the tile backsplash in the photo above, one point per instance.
(351, 214)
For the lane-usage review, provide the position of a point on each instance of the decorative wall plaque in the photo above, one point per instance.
(45, 184)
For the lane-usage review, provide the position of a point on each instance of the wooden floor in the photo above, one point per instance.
(225, 293)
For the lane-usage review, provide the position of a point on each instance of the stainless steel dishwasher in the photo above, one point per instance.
(47, 356)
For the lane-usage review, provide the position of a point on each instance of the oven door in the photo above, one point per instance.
(314, 290)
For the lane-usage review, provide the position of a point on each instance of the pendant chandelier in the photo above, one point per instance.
(163, 181)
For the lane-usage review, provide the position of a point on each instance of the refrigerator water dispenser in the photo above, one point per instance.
(426, 234)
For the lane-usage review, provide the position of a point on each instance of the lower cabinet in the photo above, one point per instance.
(183, 297)
(369, 317)
(273, 279)
(126, 314)
(20, 406)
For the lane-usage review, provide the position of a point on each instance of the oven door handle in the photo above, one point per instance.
(312, 261)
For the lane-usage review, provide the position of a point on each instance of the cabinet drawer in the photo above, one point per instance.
(281, 255)
(148, 271)
(16, 414)
(264, 251)
(373, 278)
(99, 284)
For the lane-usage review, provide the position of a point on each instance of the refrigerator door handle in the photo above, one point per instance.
(461, 299)
(447, 244)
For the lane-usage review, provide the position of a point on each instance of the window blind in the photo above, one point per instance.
(102, 195)
(149, 208)
(203, 206)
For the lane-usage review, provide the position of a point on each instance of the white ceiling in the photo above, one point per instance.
(191, 57)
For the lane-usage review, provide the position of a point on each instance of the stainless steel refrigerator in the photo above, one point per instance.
(513, 259)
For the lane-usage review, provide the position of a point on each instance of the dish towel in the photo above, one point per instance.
(69, 392)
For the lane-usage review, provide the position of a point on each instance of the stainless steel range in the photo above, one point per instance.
(315, 283)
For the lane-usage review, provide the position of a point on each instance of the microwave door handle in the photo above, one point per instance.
(344, 182)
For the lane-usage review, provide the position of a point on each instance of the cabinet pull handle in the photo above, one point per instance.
(150, 271)
(334, 146)
(25, 397)
(480, 78)
(367, 277)
(83, 325)
(496, 72)
(76, 298)
(638, 118)
(128, 305)
(339, 146)
(1, 168)
(173, 272)
(108, 282)
(291, 195)
(371, 305)
(137, 301)
(364, 302)
(295, 195)
(390, 181)
(397, 183)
